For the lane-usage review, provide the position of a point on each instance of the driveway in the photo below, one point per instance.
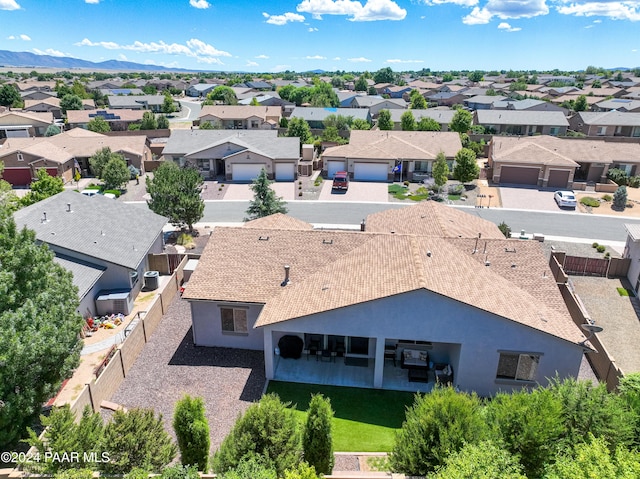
(529, 198)
(358, 191)
(169, 366)
(242, 191)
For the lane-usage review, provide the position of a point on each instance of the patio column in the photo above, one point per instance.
(269, 369)
(378, 369)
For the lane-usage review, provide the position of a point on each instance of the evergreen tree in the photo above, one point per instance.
(192, 431)
(440, 170)
(384, 120)
(407, 121)
(317, 441)
(99, 125)
(461, 121)
(361, 84)
(264, 202)
(163, 122)
(168, 106)
(149, 121)
(620, 198)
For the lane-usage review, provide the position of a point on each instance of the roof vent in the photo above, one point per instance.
(263, 238)
(286, 281)
(44, 217)
(68, 207)
(513, 265)
(486, 261)
(326, 241)
(429, 253)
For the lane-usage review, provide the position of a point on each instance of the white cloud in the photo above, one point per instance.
(49, 51)
(313, 29)
(262, 57)
(616, 10)
(11, 37)
(93, 2)
(371, 11)
(337, 59)
(251, 64)
(463, 3)
(508, 28)
(359, 60)
(26, 38)
(199, 3)
(122, 57)
(283, 19)
(597, 21)
(397, 60)
(505, 9)
(9, 5)
(280, 68)
(315, 57)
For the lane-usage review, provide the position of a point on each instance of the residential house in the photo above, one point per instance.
(376, 155)
(609, 123)
(52, 104)
(522, 122)
(23, 124)
(528, 104)
(618, 104)
(237, 155)
(316, 116)
(37, 95)
(241, 117)
(482, 102)
(442, 116)
(396, 91)
(375, 103)
(446, 98)
(119, 120)
(200, 90)
(349, 308)
(153, 103)
(104, 243)
(64, 154)
(35, 85)
(121, 91)
(632, 251)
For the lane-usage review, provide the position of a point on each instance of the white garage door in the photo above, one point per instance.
(246, 172)
(333, 167)
(285, 171)
(370, 171)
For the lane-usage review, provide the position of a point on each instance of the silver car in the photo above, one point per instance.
(565, 199)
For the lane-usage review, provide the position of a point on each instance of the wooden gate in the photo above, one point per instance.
(585, 266)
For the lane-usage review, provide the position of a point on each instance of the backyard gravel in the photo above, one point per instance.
(170, 366)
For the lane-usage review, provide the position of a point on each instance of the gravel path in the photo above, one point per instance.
(170, 366)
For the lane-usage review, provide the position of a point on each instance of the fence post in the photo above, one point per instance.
(93, 406)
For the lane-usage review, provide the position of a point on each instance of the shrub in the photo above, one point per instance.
(117, 193)
(405, 183)
(607, 198)
(456, 189)
(192, 431)
(618, 176)
(505, 229)
(607, 255)
(317, 441)
(133, 172)
(620, 197)
(300, 193)
(178, 471)
(594, 245)
(486, 460)
(589, 201)
(600, 248)
(634, 182)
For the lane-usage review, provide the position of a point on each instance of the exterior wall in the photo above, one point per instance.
(422, 315)
(497, 168)
(207, 326)
(250, 157)
(632, 250)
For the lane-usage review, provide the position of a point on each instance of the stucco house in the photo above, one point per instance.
(608, 123)
(103, 242)
(153, 103)
(238, 155)
(119, 120)
(373, 155)
(241, 117)
(442, 115)
(316, 116)
(387, 309)
(23, 124)
(522, 122)
(52, 104)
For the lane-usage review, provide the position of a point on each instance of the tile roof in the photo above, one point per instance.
(98, 227)
(85, 116)
(279, 221)
(238, 112)
(610, 118)
(521, 117)
(441, 116)
(44, 117)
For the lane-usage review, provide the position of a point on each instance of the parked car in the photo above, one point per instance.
(565, 199)
(341, 180)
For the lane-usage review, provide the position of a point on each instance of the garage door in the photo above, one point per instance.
(285, 171)
(558, 178)
(17, 176)
(520, 176)
(246, 172)
(333, 167)
(370, 171)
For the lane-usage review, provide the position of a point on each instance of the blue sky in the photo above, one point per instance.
(277, 35)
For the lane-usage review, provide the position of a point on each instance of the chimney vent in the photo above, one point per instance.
(286, 281)
(429, 253)
(44, 217)
(68, 207)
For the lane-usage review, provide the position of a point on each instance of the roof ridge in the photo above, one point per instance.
(418, 261)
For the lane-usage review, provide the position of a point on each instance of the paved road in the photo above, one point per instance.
(548, 223)
(190, 111)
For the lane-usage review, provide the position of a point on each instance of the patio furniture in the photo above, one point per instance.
(324, 355)
(414, 359)
(290, 346)
(443, 373)
(390, 353)
(418, 375)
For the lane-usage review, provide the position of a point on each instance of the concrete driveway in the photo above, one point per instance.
(529, 198)
(242, 191)
(358, 191)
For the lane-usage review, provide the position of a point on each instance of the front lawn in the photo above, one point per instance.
(365, 419)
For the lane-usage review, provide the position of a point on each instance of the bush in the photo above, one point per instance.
(594, 245)
(607, 198)
(133, 172)
(317, 441)
(456, 189)
(620, 197)
(113, 192)
(178, 471)
(482, 461)
(634, 182)
(405, 183)
(600, 248)
(505, 229)
(618, 176)
(589, 201)
(192, 431)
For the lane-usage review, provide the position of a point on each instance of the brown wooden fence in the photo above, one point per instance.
(582, 266)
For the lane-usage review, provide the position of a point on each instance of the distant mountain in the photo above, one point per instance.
(31, 60)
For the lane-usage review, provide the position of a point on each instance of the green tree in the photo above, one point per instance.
(529, 424)
(340, 122)
(149, 121)
(418, 102)
(286, 91)
(360, 124)
(52, 130)
(163, 122)
(475, 76)
(407, 121)
(223, 94)
(264, 202)
(168, 106)
(461, 121)
(70, 102)
(9, 201)
(427, 124)
(43, 187)
(299, 127)
(322, 95)
(100, 158)
(620, 197)
(9, 95)
(175, 193)
(252, 467)
(384, 75)
(192, 431)
(254, 102)
(384, 120)
(466, 168)
(337, 82)
(594, 458)
(317, 441)
(438, 424)
(79, 90)
(629, 389)
(596, 84)
(505, 229)
(361, 84)
(268, 429)
(99, 125)
(115, 173)
(331, 134)
(485, 460)
(206, 125)
(39, 328)
(136, 438)
(440, 170)
(581, 104)
(177, 471)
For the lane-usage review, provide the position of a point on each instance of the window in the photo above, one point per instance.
(422, 167)
(602, 130)
(234, 320)
(554, 131)
(518, 367)
(20, 157)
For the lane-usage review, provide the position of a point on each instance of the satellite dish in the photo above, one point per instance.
(591, 328)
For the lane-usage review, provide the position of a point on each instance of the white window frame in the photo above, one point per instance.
(240, 320)
(20, 156)
(526, 367)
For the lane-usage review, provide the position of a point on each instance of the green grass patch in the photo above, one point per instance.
(365, 419)
(625, 292)
(399, 192)
(589, 201)
(454, 197)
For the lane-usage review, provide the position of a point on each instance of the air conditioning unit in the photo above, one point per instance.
(108, 302)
